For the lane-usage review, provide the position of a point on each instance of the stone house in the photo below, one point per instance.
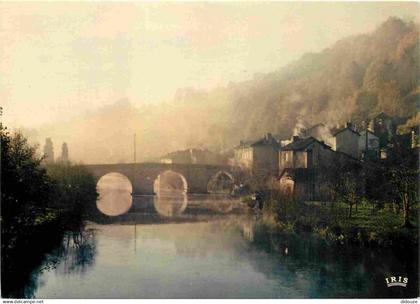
(304, 153)
(300, 165)
(346, 140)
(259, 156)
(384, 127)
(368, 145)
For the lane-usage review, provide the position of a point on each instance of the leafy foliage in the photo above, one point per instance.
(26, 187)
(32, 196)
(75, 188)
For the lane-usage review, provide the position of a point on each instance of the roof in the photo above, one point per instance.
(264, 141)
(348, 156)
(303, 143)
(344, 129)
(369, 131)
(187, 152)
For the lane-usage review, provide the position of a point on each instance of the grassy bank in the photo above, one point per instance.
(369, 224)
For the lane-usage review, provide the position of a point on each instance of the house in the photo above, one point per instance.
(346, 140)
(382, 125)
(304, 153)
(298, 183)
(308, 166)
(368, 145)
(259, 156)
(300, 165)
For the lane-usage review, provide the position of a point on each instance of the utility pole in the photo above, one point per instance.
(135, 220)
(134, 147)
(366, 144)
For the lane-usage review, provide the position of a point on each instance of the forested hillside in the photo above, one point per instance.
(355, 78)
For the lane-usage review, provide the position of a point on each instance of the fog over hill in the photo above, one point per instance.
(355, 78)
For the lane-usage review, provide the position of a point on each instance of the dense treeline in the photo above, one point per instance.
(356, 78)
(38, 204)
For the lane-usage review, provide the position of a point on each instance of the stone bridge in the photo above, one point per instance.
(143, 175)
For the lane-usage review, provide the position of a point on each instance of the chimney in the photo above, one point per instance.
(371, 126)
(268, 136)
(349, 125)
(413, 139)
(295, 138)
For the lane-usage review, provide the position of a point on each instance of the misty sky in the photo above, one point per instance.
(58, 60)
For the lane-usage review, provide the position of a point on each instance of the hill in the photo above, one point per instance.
(355, 78)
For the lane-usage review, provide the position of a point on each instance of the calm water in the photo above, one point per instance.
(174, 246)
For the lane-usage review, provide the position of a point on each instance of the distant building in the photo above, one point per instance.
(48, 151)
(194, 156)
(64, 153)
(368, 145)
(260, 156)
(346, 140)
(382, 125)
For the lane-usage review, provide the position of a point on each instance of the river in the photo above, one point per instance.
(206, 246)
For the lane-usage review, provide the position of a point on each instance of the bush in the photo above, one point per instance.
(33, 196)
(75, 188)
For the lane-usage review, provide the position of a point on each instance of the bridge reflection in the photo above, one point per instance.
(114, 194)
(170, 202)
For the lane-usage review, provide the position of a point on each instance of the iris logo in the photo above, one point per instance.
(396, 281)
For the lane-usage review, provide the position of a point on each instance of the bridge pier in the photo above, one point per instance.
(143, 185)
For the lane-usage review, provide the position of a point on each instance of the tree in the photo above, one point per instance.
(64, 153)
(405, 185)
(402, 174)
(49, 151)
(25, 186)
(344, 181)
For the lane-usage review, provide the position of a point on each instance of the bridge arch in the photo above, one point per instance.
(170, 180)
(114, 191)
(108, 177)
(221, 182)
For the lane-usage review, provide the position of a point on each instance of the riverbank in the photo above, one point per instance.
(27, 253)
(368, 226)
(39, 203)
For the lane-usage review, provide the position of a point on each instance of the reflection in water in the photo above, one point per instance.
(203, 246)
(170, 203)
(170, 181)
(171, 194)
(114, 194)
(230, 256)
(222, 182)
(78, 251)
(74, 255)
